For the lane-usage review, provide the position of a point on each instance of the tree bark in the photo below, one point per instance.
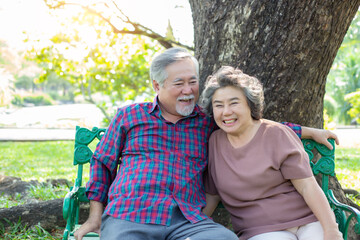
(288, 45)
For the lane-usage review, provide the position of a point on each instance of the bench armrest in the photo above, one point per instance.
(344, 214)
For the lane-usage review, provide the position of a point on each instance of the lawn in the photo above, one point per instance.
(53, 160)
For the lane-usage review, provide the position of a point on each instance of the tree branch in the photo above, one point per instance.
(139, 29)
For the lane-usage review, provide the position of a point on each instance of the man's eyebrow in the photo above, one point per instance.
(177, 80)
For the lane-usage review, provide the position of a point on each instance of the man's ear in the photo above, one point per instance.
(156, 86)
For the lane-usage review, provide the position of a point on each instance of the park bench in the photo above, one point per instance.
(323, 164)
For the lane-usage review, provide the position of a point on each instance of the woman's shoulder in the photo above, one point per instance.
(276, 128)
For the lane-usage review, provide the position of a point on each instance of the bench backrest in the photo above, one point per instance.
(325, 164)
(82, 152)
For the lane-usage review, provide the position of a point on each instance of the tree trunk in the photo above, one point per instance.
(289, 45)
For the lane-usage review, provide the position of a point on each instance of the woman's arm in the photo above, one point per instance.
(211, 203)
(317, 202)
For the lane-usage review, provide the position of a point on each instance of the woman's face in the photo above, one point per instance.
(230, 109)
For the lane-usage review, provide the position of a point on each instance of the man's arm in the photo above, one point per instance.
(103, 166)
(319, 135)
(93, 222)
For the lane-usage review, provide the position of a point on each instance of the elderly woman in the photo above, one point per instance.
(258, 168)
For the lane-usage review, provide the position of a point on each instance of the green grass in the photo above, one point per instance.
(40, 160)
(17, 231)
(37, 160)
(348, 169)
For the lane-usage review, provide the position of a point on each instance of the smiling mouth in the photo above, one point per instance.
(185, 100)
(229, 121)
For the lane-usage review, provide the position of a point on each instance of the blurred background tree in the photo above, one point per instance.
(344, 79)
(93, 61)
(105, 59)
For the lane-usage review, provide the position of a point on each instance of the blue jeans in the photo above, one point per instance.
(180, 229)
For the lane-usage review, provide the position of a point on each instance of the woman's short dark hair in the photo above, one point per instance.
(230, 77)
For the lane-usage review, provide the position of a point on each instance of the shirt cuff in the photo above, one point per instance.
(295, 127)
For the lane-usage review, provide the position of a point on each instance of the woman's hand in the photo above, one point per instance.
(333, 234)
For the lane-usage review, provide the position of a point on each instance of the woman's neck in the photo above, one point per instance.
(245, 134)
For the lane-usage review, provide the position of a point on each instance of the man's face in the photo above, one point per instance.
(180, 91)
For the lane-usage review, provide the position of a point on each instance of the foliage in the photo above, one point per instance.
(10, 201)
(326, 119)
(46, 192)
(17, 100)
(41, 192)
(344, 76)
(348, 169)
(354, 100)
(17, 231)
(38, 100)
(24, 82)
(97, 61)
(58, 88)
(35, 99)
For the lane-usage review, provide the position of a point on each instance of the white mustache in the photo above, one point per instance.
(190, 97)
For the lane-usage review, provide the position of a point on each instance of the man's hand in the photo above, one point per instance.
(89, 226)
(93, 223)
(319, 135)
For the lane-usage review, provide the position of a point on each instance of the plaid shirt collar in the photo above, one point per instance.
(156, 110)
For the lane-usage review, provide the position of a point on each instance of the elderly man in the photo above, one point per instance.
(146, 173)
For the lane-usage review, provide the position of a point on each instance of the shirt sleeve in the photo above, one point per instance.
(105, 160)
(295, 127)
(295, 161)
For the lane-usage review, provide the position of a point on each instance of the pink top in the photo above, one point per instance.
(253, 180)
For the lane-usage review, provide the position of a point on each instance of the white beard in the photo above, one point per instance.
(185, 111)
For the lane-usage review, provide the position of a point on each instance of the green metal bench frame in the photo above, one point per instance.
(325, 165)
(72, 200)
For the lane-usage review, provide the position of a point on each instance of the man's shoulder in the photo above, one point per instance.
(132, 111)
(135, 107)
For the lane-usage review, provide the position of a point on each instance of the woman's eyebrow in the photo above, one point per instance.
(231, 99)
